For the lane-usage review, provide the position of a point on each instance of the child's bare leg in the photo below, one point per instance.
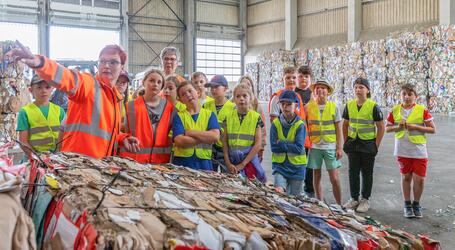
(406, 186)
(417, 186)
(317, 174)
(336, 186)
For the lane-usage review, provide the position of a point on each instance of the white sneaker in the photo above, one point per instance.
(351, 204)
(364, 206)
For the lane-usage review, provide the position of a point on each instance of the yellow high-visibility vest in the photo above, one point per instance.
(416, 117)
(361, 122)
(203, 151)
(321, 127)
(293, 158)
(43, 132)
(241, 135)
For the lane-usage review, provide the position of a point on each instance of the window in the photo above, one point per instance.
(27, 34)
(219, 57)
(79, 43)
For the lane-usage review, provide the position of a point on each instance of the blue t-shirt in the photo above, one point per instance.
(192, 162)
(22, 120)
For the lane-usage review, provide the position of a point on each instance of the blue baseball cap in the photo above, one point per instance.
(289, 96)
(217, 80)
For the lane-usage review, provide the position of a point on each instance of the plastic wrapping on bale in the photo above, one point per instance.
(13, 93)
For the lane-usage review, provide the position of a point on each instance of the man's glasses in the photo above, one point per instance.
(109, 62)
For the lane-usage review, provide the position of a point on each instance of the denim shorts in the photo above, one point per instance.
(292, 187)
(328, 156)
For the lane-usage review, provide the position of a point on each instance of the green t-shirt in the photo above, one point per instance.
(22, 120)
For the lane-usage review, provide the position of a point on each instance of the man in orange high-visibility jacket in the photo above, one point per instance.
(93, 120)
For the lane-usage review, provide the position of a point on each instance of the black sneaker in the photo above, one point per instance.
(408, 211)
(417, 209)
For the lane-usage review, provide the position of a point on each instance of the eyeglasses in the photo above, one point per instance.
(171, 59)
(109, 62)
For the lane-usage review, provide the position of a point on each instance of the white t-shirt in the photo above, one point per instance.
(274, 106)
(405, 148)
(322, 144)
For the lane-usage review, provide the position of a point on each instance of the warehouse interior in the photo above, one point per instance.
(389, 42)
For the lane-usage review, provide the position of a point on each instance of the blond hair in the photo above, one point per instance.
(255, 101)
(151, 71)
(243, 86)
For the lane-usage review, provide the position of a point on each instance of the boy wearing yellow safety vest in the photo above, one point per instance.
(287, 137)
(363, 129)
(410, 122)
(39, 122)
(242, 136)
(222, 107)
(324, 130)
(194, 129)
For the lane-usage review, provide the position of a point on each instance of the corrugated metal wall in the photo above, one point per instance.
(213, 13)
(322, 18)
(157, 26)
(386, 13)
(265, 22)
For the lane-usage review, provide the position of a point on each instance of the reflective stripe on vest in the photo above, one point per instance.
(226, 110)
(155, 145)
(415, 117)
(321, 127)
(241, 135)
(361, 122)
(203, 151)
(92, 128)
(43, 131)
(292, 158)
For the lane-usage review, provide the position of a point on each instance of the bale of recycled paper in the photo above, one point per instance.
(13, 93)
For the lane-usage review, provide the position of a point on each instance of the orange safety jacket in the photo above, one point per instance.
(155, 146)
(94, 114)
(300, 112)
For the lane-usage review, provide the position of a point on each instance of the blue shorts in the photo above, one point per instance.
(328, 156)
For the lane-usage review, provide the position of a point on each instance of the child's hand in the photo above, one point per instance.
(339, 153)
(402, 124)
(240, 166)
(231, 168)
(411, 127)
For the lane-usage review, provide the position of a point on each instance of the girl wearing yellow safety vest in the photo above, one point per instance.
(222, 107)
(194, 130)
(324, 130)
(287, 138)
(363, 129)
(410, 122)
(39, 122)
(258, 108)
(242, 136)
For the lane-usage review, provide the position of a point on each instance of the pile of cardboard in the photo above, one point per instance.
(116, 203)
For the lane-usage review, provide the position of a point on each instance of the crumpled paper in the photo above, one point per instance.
(425, 59)
(13, 93)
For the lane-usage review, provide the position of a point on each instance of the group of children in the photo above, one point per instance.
(176, 121)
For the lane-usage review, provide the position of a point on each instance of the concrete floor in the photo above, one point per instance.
(438, 200)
